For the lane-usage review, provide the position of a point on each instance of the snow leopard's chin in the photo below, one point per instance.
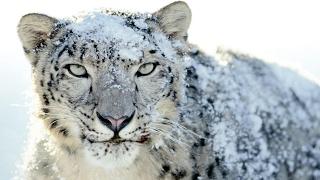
(112, 156)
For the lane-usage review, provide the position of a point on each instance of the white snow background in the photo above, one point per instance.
(286, 32)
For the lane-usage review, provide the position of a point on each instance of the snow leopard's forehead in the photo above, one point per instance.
(116, 35)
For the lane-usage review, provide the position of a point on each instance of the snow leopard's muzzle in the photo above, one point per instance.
(115, 107)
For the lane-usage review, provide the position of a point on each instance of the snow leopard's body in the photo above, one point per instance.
(194, 116)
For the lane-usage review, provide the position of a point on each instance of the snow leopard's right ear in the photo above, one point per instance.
(34, 30)
(174, 19)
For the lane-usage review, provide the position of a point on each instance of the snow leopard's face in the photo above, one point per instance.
(108, 83)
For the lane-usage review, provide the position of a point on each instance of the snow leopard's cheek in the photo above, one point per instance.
(74, 89)
(167, 109)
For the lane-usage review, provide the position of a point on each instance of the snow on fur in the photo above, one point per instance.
(259, 120)
(262, 118)
(256, 109)
(102, 27)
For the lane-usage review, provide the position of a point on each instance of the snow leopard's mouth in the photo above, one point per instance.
(117, 140)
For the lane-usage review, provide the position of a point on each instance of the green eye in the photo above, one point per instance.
(77, 70)
(146, 69)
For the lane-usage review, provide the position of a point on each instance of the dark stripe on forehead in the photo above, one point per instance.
(74, 46)
(95, 46)
(65, 43)
(68, 49)
(83, 50)
(111, 50)
(65, 48)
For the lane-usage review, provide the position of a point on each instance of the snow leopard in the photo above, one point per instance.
(122, 95)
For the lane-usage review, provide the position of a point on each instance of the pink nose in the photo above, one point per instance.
(115, 124)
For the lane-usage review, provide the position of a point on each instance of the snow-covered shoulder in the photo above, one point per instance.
(265, 117)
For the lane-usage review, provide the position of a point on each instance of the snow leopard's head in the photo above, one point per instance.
(109, 82)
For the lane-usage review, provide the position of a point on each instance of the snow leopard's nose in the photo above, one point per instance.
(115, 124)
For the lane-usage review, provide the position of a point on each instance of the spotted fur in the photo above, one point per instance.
(195, 117)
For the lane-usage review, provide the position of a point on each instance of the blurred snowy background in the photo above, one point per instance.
(285, 32)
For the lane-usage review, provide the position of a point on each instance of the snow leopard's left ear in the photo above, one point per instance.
(174, 19)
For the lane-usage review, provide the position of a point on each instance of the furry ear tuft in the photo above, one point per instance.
(174, 19)
(34, 29)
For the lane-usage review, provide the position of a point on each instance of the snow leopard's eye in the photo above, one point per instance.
(146, 69)
(77, 70)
